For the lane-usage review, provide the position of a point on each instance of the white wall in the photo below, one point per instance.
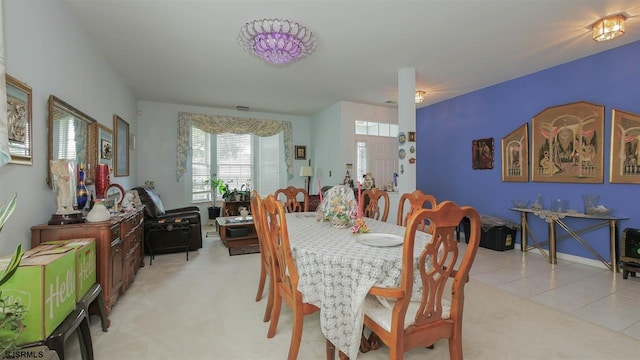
(334, 137)
(326, 155)
(46, 49)
(159, 140)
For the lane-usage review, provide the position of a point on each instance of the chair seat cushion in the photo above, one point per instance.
(380, 311)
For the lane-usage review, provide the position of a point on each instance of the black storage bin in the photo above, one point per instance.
(497, 233)
(237, 232)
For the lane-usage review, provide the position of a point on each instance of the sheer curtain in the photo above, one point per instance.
(4, 132)
(213, 124)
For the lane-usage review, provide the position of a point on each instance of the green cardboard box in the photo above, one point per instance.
(45, 284)
(85, 262)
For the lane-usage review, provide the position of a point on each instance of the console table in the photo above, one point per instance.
(554, 217)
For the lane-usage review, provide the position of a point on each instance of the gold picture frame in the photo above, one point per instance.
(568, 144)
(19, 110)
(120, 146)
(515, 155)
(301, 152)
(625, 138)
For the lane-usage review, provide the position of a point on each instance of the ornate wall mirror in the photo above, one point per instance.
(71, 137)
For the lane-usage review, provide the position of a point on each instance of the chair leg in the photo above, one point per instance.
(267, 311)
(374, 341)
(102, 308)
(85, 338)
(275, 314)
(263, 278)
(365, 346)
(455, 345)
(89, 301)
(296, 333)
(331, 350)
(78, 322)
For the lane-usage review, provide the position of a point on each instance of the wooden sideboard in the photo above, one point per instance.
(119, 248)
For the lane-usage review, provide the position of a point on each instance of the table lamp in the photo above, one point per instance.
(306, 171)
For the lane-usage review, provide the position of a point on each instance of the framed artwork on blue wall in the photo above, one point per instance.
(625, 137)
(482, 154)
(515, 155)
(567, 144)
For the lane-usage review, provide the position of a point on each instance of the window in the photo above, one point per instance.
(66, 139)
(234, 159)
(238, 159)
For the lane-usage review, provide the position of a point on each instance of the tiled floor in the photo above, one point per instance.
(588, 292)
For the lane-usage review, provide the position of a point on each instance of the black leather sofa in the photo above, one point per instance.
(160, 229)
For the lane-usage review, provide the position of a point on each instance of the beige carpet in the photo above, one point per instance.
(205, 309)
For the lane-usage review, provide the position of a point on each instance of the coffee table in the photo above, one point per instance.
(238, 234)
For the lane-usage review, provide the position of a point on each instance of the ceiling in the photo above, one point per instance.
(186, 51)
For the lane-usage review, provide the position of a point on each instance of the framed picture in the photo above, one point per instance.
(301, 152)
(515, 155)
(482, 154)
(104, 145)
(106, 150)
(121, 147)
(567, 144)
(625, 136)
(412, 136)
(19, 121)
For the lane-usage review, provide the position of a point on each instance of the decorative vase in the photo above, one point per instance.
(539, 204)
(98, 213)
(102, 180)
(82, 194)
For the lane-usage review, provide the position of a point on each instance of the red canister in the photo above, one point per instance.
(102, 180)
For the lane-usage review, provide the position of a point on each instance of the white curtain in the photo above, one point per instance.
(4, 133)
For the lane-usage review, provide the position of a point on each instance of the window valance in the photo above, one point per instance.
(214, 124)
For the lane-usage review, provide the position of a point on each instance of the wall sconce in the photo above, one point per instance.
(608, 28)
(419, 96)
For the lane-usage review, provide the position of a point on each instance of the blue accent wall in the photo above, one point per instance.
(445, 131)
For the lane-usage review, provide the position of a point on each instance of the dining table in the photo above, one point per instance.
(337, 268)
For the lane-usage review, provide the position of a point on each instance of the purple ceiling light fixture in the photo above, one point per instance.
(277, 41)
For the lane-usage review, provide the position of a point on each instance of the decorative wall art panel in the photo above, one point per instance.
(568, 144)
(625, 136)
(515, 155)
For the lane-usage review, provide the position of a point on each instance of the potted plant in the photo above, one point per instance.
(215, 185)
(11, 314)
(245, 192)
(234, 195)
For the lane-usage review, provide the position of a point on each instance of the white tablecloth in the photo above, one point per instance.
(336, 272)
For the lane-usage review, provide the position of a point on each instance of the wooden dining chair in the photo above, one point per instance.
(274, 224)
(371, 199)
(291, 203)
(404, 324)
(266, 255)
(416, 201)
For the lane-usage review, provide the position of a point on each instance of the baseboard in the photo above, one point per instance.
(568, 257)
